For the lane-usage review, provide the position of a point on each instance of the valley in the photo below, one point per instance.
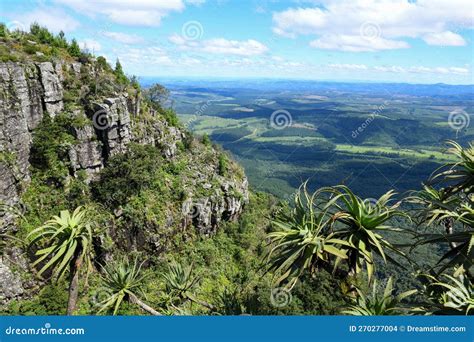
(371, 137)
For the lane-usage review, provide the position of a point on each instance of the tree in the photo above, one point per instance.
(3, 30)
(65, 243)
(74, 49)
(102, 63)
(123, 280)
(119, 74)
(60, 40)
(158, 95)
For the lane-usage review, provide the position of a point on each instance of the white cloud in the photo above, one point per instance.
(384, 22)
(356, 43)
(448, 70)
(123, 37)
(189, 61)
(90, 44)
(195, 2)
(446, 38)
(53, 18)
(248, 47)
(348, 66)
(151, 55)
(138, 12)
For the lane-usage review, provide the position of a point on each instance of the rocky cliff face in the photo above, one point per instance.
(29, 91)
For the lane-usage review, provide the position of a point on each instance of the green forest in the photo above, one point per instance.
(117, 243)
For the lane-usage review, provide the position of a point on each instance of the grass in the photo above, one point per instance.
(423, 153)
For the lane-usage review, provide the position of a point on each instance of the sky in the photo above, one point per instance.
(414, 41)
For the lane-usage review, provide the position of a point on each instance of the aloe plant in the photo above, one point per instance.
(179, 281)
(303, 239)
(362, 220)
(123, 280)
(451, 206)
(460, 172)
(64, 243)
(378, 302)
(451, 294)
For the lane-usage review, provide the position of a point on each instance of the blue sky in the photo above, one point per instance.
(423, 41)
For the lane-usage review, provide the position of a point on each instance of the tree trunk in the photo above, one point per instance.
(200, 302)
(74, 283)
(448, 226)
(352, 261)
(133, 299)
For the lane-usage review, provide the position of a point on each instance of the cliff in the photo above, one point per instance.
(103, 119)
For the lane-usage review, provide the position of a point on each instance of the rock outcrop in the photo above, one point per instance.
(29, 90)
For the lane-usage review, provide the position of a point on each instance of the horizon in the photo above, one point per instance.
(348, 81)
(381, 41)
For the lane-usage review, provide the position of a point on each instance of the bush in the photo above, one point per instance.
(170, 116)
(127, 174)
(74, 49)
(50, 147)
(206, 140)
(223, 164)
(51, 300)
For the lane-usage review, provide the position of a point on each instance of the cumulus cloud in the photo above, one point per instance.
(123, 37)
(342, 25)
(248, 47)
(53, 18)
(357, 43)
(446, 38)
(151, 55)
(137, 13)
(448, 70)
(348, 66)
(90, 44)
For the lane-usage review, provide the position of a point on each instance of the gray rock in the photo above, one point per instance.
(28, 90)
(53, 90)
(10, 284)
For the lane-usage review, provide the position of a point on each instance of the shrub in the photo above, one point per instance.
(49, 150)
(127, 174)
(223, 164)
(74, 49)
(206, 140)
(119, 74)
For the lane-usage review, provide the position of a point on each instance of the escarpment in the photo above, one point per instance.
(105, 122)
